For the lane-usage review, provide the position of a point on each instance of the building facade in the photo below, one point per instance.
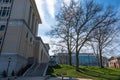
(114, 62)
(85, 59)
(19, 44)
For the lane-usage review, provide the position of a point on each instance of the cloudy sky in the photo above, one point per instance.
(47, 10)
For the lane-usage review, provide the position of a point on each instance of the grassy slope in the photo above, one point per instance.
(94, 73)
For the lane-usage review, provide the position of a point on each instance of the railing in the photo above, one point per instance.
(30, 69)
(45, 70)
(37, 70)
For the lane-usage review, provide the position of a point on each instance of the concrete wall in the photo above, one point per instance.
(26, 10)
(16, 62)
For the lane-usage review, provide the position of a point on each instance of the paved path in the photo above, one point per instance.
(54, 78)
(30, 78)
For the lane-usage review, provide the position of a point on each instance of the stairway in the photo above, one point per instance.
(37, 70)
(41, 69)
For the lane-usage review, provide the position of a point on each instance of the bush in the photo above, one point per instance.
(22, 70)
(49, 70)
(4, 73)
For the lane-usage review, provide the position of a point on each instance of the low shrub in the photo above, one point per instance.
(13, 73)
(4, 73)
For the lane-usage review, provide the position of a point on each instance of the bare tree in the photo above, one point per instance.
(78, 20)
(87, 17)
(63, 29)
(103, 36)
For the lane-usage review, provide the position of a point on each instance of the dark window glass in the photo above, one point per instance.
(7, 12)
(31, 39)
(4, 0)
(2, 27)
(4, 11)
(0, 1)
(7, 1)
(0, 12)
(0, 40)
(27, 35)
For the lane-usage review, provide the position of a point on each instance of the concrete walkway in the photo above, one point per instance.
(30, 78)
(59, 78)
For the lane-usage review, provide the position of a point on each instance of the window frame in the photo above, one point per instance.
(6, 1)
(4, 11)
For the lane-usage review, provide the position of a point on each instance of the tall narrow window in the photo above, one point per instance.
(4, 1)
(0, 11)
(27, 35)
(8, 10)
(0, 40)
(4, 11)
(32, 26)
(30, 39)
(0, 1)
(29, 17)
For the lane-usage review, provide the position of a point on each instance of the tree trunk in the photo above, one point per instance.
(69, 58)
(98, 59)
(101, 62)
(77, 61)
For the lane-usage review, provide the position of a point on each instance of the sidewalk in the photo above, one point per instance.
(30, 78)
(66, 78)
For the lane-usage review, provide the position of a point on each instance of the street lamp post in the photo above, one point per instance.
(8, 65)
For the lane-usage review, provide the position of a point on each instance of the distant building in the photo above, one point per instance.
(114, 62)
(19, 44)
(87, 59)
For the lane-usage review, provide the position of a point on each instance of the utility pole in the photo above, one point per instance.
(8, 66)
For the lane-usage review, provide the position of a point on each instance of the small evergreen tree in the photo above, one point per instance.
(4, 73)
(13, 73)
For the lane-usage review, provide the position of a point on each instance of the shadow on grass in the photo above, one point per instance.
(50, 70)
(56, 67)
(103, 74)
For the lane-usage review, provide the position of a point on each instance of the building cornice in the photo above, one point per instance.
(33, 4)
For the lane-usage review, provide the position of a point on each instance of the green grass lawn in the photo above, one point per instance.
(94, 73)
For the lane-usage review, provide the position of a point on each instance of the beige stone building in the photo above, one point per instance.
(114, 62)
(19, 44)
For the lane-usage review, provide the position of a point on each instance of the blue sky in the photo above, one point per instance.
(47, 9)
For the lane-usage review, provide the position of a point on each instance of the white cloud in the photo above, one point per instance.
(49, 40)
(47, 10)
(51, 8)
(39, 3)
